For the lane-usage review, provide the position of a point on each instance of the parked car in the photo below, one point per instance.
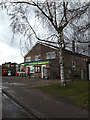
(58, 76)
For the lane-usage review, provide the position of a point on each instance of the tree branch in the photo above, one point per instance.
(51, 17)
(55, 13)
(38, 37)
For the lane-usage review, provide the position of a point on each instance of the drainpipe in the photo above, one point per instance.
(73, 46)
(89, 50)
(73, 51)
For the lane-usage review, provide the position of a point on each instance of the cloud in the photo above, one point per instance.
(6, 34)
(9, 52)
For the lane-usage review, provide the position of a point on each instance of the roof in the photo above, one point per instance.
(57, 48)
(9, 63)
(45, 44)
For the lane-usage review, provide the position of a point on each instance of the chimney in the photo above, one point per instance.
(89, 50)
(73, 46)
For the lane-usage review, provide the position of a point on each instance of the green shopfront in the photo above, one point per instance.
(38, 69)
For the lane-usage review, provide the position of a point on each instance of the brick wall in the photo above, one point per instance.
(80, 65)
(39, 49)
(54, 67)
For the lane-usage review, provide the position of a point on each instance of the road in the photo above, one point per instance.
(27, 82)
(12, 110)
(22, 90)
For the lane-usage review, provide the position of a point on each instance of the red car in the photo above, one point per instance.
(58, 76)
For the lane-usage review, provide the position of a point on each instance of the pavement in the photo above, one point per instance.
(12, 110)
(38, 103)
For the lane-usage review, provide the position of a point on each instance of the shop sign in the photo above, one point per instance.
(38, 63)
(35, 63)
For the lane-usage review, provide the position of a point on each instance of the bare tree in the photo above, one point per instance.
(57, 19)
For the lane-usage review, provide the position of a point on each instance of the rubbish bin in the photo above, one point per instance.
(9, 72)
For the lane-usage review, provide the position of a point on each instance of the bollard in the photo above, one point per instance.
(16, 73)
(19, 74)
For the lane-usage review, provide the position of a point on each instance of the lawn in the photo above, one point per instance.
(76, 92)
(82, 101)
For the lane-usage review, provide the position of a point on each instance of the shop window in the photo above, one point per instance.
(37, 69)
(31, 69)
(28, 59)
(50, 55)
(37, 57)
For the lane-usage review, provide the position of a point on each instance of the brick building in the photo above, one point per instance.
(10, 66)
(43, 61)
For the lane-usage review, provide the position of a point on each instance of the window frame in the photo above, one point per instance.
(29, 60)
(51, 55)
(37, 57)
(38, 70)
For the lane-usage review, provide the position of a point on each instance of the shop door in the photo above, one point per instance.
(46, 73)
(43, 71)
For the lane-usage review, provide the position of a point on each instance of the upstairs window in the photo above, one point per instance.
(37, 57)
(28, 59)
(50, 55)
(12, 66)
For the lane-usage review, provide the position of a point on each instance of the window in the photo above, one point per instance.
(37, 69)
(28, 59)
(37, 57)
(8, 65)
(31, 69)
(73, 65)
(12, 65)
(50, 55)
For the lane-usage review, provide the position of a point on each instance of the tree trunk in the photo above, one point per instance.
(63, 82)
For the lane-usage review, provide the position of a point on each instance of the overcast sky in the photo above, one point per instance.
(9, 51)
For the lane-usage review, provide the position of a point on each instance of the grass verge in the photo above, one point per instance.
(82, 101)
(76, 92)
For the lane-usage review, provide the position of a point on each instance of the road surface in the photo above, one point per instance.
(12, 110)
